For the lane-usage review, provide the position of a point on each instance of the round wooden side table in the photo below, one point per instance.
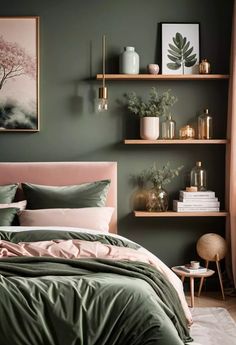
(180, 272)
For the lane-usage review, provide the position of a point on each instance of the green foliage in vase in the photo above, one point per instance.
(180, 53)
(139, 179)
(162, 176)
(157, 176)
(156, 104)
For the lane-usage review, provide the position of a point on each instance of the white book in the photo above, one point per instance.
(195, 204)
(206, 194)
(197, 209)
(190, 200)
(188, 269)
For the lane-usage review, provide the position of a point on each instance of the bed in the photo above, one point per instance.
(82, 283)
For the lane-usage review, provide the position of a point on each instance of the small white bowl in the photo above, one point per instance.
(153, 68)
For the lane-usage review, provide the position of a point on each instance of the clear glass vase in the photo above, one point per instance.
(198, 177)
(157, 200)
(168, 128)
(205, 125)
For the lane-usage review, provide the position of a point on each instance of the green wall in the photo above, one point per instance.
(70, 54)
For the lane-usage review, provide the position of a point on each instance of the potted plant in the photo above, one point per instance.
(157, 200)
(150, 110)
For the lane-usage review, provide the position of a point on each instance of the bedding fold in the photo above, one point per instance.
(43, 266)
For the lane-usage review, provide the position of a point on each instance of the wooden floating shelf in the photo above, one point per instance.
(179, 214)
(163, 76)
(174, 141)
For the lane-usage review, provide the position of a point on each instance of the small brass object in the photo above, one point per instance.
(191, 189)
(187, 132)
(204, 67)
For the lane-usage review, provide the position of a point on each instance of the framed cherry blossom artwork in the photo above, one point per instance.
(19, 74)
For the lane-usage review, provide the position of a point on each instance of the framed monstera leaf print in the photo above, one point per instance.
(180, 48)
(19, 74)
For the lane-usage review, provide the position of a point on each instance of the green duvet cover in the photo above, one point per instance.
(50, 301)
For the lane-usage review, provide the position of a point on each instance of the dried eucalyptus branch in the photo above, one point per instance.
(156, 104)
(164, 175)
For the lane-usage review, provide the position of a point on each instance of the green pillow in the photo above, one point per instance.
(7, 193)
(7, 215)
(75, 196)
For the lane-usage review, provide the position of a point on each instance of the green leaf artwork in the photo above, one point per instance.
(180, 53)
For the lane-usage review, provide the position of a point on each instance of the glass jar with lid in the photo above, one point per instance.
(205, 125)
(187, 132)
(198, 177)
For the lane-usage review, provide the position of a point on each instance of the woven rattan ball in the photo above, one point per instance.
(210, 245)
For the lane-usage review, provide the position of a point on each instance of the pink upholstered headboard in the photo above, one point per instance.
(64, 173)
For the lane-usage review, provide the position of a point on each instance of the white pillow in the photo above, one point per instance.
(21, 205)
(96, 218)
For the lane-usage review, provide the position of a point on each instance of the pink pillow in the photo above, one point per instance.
(21, 205)
(95, 218)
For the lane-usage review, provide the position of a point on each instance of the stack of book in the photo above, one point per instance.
(196, 202)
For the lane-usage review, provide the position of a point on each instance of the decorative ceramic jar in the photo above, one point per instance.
(157, 200)
(153, 68)
(129, 61)
(149, 128)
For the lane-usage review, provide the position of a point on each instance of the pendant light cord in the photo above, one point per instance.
(103, 59)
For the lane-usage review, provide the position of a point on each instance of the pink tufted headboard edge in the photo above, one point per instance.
(64, 173)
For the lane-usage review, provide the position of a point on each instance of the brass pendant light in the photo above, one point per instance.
(103, 92)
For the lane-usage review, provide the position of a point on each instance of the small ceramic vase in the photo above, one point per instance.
(149, 128)
(129, 61)
(153, 68)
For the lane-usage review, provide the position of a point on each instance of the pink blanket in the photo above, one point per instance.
(71, 249)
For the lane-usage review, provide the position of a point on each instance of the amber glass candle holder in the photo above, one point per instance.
(187, 132)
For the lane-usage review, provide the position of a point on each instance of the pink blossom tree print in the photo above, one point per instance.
(14, 62)
(18, 74)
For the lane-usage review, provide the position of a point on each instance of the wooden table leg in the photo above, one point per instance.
(220, 276)
(192, 291)
(202, 281)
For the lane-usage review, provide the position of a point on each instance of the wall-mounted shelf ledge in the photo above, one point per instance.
(174, 141)
(163, 76)
(179, 214)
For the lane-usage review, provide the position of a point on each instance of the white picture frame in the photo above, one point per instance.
(180, 48)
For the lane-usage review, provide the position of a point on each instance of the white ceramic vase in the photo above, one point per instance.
(129, 61)
(149, 128)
